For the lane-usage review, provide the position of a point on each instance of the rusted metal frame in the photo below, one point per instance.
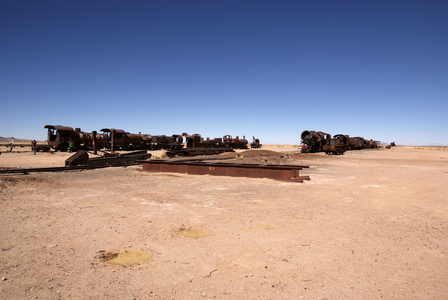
(277, 172)
(125, 159)
(198, 151)
(93, 163)
(82, 158)
(69, 168)
(51, 169)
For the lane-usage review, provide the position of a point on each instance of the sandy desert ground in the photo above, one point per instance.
(369, 224)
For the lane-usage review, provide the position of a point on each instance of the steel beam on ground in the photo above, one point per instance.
(277, 172)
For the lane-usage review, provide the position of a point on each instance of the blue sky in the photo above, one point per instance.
(269, 69)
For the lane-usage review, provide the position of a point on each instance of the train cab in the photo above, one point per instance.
(116, 137)
(59, 136)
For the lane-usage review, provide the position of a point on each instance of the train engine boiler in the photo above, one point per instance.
(118, 139)
(174, 141)
(313, 141)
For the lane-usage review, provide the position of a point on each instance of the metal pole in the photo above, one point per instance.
(94, 141)
(112, 141)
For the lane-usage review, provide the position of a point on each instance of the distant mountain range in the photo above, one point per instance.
(8, 139)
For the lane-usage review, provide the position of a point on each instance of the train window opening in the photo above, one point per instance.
(189, 142)
(51, 135)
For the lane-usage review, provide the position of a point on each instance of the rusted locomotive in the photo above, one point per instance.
(336, 145)
(122, 140)
(196, 141)
(174, 141)
(236, 143)
(59, 138)
(196, 145)
(255, 143)
(318, 141)
(371, 144)
(356, 143)
(313, 141)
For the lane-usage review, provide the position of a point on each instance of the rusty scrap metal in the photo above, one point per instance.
(82, 158)
(81, 161)
(236, 143)
(50, 169)
(318, 141)
(93, 163)
(313, 141)
(336, 145)
(255, 143)
(197, 151)
(277, 172)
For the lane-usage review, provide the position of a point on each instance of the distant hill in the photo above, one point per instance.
(8, 139)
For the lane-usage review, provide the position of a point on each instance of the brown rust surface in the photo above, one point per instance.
(277, 172)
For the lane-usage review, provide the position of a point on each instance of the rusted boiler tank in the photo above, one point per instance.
(119, 139)
(174, 141)
(196, 145)
(212, 143)
(357, 143)
(313, 141)
(372, 144)
(197, 141)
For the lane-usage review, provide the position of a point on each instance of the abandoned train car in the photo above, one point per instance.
(59, 137)
(318, 141)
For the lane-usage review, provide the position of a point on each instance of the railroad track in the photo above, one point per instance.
(62, 169)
